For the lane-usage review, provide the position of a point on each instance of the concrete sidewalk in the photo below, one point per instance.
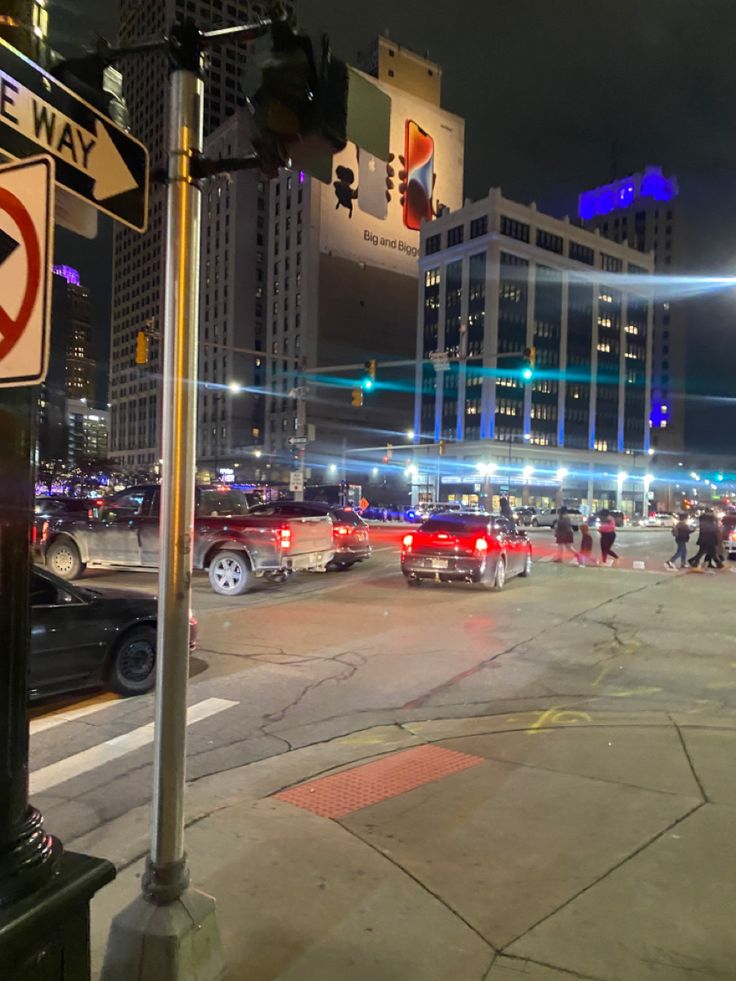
(538, 846)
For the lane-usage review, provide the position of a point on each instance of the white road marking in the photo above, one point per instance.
(113, 749)
(59, 718)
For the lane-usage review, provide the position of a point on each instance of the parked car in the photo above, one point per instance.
(91, 638)
(548, 518)
(234, 547)
(350, 536)
(524, 516)
(619, 518)
(479, 548)
(728, 532)
(661, 519)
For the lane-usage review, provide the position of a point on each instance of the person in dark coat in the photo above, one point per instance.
(564, 536)
(506, 512)
(708, 542)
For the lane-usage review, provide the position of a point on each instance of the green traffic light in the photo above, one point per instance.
(367, 384)
(527, 374)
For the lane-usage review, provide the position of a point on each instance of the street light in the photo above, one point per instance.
(561, 474)
(410, 434)
(333, 468)
(527, 472)
(235, 387)
(411, 472)
(257, 454)
(374, 472)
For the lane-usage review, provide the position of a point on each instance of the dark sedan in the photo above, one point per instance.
(90, 638)
(480, 548)
(54, 508)
(350, 535)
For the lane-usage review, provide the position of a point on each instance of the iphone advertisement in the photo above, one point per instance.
(373, 210)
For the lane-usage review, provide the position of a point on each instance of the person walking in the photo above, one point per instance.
(682, 533)
(607, 531)
(506, 512)
(586, 547)
(564, 536)
(708, 541)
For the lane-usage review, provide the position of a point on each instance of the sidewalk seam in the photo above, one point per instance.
(555, 967)
(604, 875)
(422, 886)
(690, 762)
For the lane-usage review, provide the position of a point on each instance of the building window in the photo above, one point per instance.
(581, 253)
(610, 263)
(514, 229)
(455, 236)
(548, 241)
(432, 244)
(479, 226)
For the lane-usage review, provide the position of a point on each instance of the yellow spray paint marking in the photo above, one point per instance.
(604, 671)
(634, 691)
(557, 716)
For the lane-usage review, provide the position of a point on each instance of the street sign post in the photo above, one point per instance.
(96, 160)
(26, 250)
(298, 440)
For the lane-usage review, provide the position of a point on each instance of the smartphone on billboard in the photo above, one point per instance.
(372, 185)
(419, 157)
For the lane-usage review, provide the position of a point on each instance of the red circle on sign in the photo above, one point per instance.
(12, 330)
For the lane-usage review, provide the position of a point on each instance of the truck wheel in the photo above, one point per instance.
(62, 558)
(229, 574)
(535, 523)
(133, 666)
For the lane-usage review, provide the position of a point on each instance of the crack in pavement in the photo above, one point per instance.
(554, 967)
(349, 669)
(421, 700)
(689, 759)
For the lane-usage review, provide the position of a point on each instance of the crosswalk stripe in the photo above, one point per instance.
(59, 718)
(112, 749)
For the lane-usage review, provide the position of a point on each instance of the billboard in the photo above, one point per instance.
(374, 208)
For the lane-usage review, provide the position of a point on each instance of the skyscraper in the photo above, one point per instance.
(643, 211)
(137, 296)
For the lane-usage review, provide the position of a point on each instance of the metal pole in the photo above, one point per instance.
(167, 874)
(28, 856)
(301, 429)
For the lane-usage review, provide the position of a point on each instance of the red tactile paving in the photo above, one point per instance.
(340, 794)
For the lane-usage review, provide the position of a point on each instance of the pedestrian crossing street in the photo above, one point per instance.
(88, 760)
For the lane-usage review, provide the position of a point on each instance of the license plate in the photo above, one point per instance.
(439, 563)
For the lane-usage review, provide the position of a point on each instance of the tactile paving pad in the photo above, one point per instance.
(340, 794)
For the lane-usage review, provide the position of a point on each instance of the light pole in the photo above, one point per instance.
(514, 436)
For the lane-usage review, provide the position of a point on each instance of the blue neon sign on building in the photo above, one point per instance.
(621, 194)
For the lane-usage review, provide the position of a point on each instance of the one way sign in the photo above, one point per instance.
(95, 159)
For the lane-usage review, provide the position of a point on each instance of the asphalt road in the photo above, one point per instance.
(325, 655)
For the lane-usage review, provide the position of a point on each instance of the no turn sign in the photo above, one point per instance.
(26, 248)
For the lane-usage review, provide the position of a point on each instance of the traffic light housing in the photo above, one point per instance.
(368, 382)
(300, 109)
(527, 369)
(442, 447)
(389, 452)
(357, 399)
(141, 347)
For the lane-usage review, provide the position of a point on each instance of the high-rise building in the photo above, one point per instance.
(500, 279)
(71, 372)
(25, 25)
(644, 211)
(138, 298)
(87, 432)
(232, 303)
(342, 271)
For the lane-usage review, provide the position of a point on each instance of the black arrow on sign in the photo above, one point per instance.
(8, 246)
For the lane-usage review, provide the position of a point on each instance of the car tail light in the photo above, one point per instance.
(407, 542)
(285, 536)
(442, 534)
(44, 530)
(34, 535)
(481, 545)
(341, 530)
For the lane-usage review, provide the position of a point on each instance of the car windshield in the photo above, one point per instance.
(213, 501)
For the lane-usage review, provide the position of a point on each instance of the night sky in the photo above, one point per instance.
(558, 95)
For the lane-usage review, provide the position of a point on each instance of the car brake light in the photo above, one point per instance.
(342, 530)
(481, 545)
(442, 534)
(408, 541)
(285, 534)
(34, 535)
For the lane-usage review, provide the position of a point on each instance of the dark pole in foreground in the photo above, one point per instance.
(28, 856)
(44, 893)
(170, 931)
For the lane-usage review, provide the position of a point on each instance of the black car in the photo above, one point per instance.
(350, 535)
(90, 638)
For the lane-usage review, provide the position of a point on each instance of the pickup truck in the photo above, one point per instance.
(232, 546)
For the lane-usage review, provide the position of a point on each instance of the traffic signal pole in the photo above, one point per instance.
(170, 932)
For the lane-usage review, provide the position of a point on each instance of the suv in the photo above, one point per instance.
(548, 518)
